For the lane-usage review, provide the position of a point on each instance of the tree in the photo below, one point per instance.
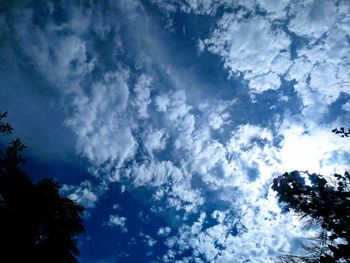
(342, 132)
(37, 224)
(321, 203)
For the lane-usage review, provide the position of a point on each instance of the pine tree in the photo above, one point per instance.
(324, 204)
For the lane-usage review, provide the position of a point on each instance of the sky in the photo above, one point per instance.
(168, 119)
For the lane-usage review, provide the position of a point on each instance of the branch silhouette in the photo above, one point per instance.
(323, 204)
(37, 224)
(342, 132)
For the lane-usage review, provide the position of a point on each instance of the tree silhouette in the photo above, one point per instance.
(37, 224)
(324, 204)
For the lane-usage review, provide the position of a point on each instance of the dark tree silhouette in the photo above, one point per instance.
(37, 224)
(321, 203)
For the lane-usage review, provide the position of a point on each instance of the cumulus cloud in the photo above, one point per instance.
(97, 120)
(180, 119)
(218, 243)
(269, 81)
(148, 240)
(84, 194)
(257, 47)
(219, 216)
(207, 7)
(155, 140)
(312, 18)
(319, 70)
(210, 162)
(346, 106)
(275, 9)
(118, 221)
(162, 102)
(252, 48)
(164, 231)
(218, 115)
(142, 95)
(156, 173)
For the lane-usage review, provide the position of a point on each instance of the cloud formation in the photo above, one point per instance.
(136, 124)
(117, 221)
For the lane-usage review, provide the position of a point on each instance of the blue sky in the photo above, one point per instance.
(168, 119)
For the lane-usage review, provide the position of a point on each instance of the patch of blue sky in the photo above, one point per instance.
(336, 110)
(71, 172)
(212, 201)
(200, 73)
(107, 241)
(33, 108)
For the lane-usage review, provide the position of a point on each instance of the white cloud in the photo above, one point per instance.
(346, 106)
(148, 240)
(253, 242)
(265, 82)
(155, 173)
(320, 70)
(70, 58)
(216, 121)
(255, 161)
(252, 47)
(162, 102)
(61, 57)
(219, 216)
(311, 149)
(312, 18)
(245, 134)
(218, 113)
(102, 133)
(61, 53)
(155, 140)
(164, 231)
(208, 7)
(260, 50)
(319, 75)
(275, 8)
(106, 117)
(181, 121)
(210, 162)
(84, 194)
(183, 197)
(119, 221)
(142, 95)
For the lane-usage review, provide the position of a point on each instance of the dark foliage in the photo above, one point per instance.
(37, 224)
(324, 204)
(342, 132)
